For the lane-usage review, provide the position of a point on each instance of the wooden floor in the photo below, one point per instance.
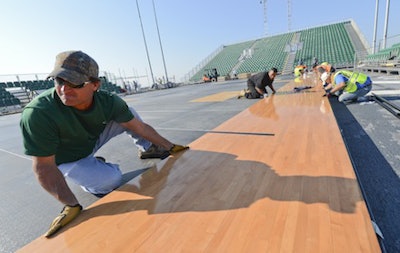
(274, 178)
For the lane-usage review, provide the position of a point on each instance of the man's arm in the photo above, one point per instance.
(147, 132)
(272, 88)
(338, 87)
(260, 90)
(52, 180)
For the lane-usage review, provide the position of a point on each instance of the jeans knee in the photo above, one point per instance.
(106, 185)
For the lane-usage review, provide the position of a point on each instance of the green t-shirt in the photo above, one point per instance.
(51, 128)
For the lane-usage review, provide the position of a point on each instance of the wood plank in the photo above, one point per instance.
(294, 191)
(221, 96)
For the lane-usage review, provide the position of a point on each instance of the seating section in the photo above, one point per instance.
(225, 60)
(38, 85)
(6, 98)
(268, 52)
(109, 86)
(46, 84)
(384, 56)
(29, 85)
(330, 43)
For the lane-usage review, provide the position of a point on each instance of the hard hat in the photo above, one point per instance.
(324, 76)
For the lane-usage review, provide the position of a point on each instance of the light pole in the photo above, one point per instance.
(386, 24)
(159, 40)
(375, 26)
(145, 43)
(264, 2)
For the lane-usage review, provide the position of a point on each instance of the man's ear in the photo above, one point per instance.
(96, 85)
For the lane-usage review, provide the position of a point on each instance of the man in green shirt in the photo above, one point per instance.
(64, 127)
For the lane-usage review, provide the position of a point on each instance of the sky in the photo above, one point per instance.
(33, 32)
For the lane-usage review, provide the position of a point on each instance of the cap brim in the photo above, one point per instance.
(70, 76)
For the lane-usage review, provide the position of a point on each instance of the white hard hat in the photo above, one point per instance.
(324, 76)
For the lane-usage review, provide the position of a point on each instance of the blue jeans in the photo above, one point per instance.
(360, 92)
(95, 176)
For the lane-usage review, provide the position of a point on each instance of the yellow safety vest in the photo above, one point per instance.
(298, 69)
(353, 79)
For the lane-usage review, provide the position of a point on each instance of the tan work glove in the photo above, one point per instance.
(177, 148)
(67, 215)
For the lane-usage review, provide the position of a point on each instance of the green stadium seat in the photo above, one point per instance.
(330, 43)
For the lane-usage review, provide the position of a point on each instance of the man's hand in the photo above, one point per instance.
(327, 93)
(67, 215)
(177, 148)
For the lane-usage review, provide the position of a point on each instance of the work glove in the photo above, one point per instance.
(177, 148)
(66, 216)
(327, 93)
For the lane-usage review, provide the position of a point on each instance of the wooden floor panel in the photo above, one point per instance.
(222, 96)
(292, 191)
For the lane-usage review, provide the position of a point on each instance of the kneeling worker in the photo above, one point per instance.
(257, 85)
(349, 86)
(65, 126)
(299, 70)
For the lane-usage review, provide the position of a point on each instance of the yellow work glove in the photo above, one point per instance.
(177, 148)
(66, 216)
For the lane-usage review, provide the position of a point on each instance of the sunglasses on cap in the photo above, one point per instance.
(62, 82)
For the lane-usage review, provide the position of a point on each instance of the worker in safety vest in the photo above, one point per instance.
(349, 86)
(299, 70)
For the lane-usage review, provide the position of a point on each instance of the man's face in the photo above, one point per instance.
(77, 96)
(272, 74)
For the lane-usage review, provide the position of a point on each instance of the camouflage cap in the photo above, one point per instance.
(75, 67)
